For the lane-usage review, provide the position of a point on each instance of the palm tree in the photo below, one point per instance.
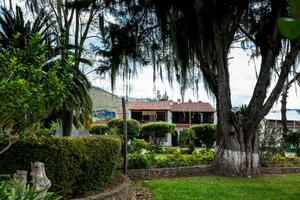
(72, 21)
(15, 31)
(77, 108)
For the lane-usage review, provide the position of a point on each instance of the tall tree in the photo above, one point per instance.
(201, 33)
(73, 20)
(284, 97)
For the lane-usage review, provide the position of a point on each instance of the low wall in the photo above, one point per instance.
(118, 193)
(280, 170)
(144, 174)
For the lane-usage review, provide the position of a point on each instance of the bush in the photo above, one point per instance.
(169, 150)
(138, 161)
(99, 129)
(74, 165)
(206, 133)
(204, 155)
(133, 127)
(277, 160)
(158, 130)
(187, 136)
(179, 160)
(294, 139)
(137, 145)
(185, 151)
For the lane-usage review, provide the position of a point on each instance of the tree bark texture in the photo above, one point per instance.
(67, 123)
(237, 149)
(237, 138)
(285, 130)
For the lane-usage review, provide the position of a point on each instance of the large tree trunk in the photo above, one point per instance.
(237, 139)
(237, 150)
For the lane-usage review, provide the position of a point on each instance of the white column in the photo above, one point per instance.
(169, 116)
(129, 114)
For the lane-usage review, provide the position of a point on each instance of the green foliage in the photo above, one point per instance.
(244, 109)
(74, 165)
(29, 91)
(271, 140)
(137, 145)
(169, 150)
(294, 139)
(158, 130)
(177, 159)
(16, 190)
(48, 132)
(138, 161)
(188, 137)
(99, 129)
(277, 160)
(204, 155)
(174, 159)
(13, 24)
(206, 133)
(133, 127)
(290, 27)
(185, 151)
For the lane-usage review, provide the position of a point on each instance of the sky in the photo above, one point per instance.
(242, 82)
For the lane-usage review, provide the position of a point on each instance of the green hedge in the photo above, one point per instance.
(206, 133)
(133, 127)
(74, 165)
(158, 130)
(99, 129)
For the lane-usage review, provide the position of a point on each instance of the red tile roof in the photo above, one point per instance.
(149, 105)
(192, 106)
(172, 106)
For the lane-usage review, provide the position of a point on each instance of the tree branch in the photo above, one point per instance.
(296, 77)
(286, 66)
(247, 34)
(260, 90)
(10, 143)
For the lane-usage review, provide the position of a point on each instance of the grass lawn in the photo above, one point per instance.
(279, 187)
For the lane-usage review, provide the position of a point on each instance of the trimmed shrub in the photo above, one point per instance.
(158, 130)
(138, 161)
(204, 155)
(137, 146)
(169, 150)
(187, 136)
(206, 133)
(74, 164)
(99, 129)
(133, 127)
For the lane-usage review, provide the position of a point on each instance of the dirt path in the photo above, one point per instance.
(138, 192)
